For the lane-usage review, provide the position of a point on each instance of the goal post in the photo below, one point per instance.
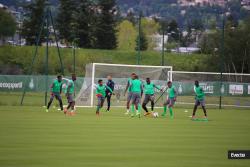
(120, 74)
(233, 88)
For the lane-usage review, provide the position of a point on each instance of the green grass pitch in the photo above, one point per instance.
(31, 137)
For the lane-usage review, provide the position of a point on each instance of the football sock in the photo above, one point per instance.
(144, 107)
(49, 104)
(194, 111)
(204, 110)
(152, 106)
(133, 108)
(69, 105)
(61, 104)
(165, 109)
(171, 111)
(97, 108)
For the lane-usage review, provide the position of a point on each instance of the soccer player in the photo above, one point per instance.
(168, 105)
(70, 90)
(199, 99)
(149, 90)
(111, 85)
(56, 90)
(137, 91)
(129, 96)
(101, 94)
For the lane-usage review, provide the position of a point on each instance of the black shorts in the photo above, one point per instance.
(56, 95)
(136, 98)
(100, 100)
(148, 98)
(70, 98)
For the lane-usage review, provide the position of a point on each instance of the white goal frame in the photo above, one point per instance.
(121, 65)
(211, 73)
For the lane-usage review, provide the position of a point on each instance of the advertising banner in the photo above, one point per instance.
(235, 89)
(38, 83)
(15, 83)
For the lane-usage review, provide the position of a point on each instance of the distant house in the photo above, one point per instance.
(186, 50)
(158, 40)
(201, 2)
(3, 6)
(245, 4)
(18, 17)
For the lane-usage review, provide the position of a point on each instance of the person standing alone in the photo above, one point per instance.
(110, 83)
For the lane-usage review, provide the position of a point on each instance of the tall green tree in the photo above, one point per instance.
(84, 20)
(236, 47)
(143, 43)
(173, 29)
(65, 20)
(105, 25)
(126, 35)
(195, 24)
(33, 21)
(7, 24)
(150, 27)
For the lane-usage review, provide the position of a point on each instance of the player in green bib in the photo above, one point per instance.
(149, 91)
(56, 90)
(129, 96)
(101, 94)
(199, 99)
(137, 91)
(168, 105)
(70, 90)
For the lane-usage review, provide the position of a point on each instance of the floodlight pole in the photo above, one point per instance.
(34, 57)
(139, 40)
(56, 39)
(163, 43)
(74, 56)
(46, 57)
(179, 33)
(74, 59)
(222, 52)
(47, 16)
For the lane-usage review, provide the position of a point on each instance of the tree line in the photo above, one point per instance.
(87, 23)
(97, 24)
(233, 51)
(170, 9)
(7, 25)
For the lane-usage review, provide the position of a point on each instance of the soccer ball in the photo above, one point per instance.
(155, 114)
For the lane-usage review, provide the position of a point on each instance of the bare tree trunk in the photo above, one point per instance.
(242, 66)
(229, 71)
(234, 71)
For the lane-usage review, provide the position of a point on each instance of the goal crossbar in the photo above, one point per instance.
(119, 72)
(210, 73)
(121, 65)
(128, 65)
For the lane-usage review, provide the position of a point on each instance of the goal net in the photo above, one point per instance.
(120, 73)
(234, 89)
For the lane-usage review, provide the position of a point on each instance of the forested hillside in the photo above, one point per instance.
(167, 9)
